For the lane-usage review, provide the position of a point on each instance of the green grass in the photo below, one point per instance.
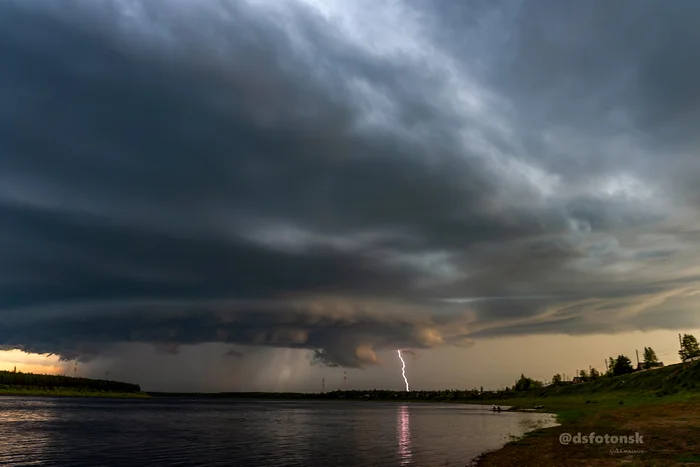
(675, 383)
(571, 408)
(662, 404)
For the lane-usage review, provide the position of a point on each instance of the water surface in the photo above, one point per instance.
(247, 433)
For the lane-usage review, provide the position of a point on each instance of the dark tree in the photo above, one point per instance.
(689, 347)
(622, 365)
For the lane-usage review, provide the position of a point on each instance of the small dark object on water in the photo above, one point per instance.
(496, 408)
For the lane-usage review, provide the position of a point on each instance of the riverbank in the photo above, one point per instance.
(18, 383)
(665, 429)
(68, 392)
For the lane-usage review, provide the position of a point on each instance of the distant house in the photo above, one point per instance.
(691, 359)
(579, 379)
(648, 366)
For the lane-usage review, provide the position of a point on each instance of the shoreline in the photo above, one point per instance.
(666, 430)
(20, 392)
(481, 459)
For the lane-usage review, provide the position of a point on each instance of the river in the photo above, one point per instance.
(249, 433)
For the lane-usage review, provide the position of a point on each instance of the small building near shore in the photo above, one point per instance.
(649, 366)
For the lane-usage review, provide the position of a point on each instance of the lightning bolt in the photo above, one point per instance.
(403, 370)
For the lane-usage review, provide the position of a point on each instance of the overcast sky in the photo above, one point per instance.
(251, 194)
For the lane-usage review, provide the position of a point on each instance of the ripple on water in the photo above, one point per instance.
(209, 433)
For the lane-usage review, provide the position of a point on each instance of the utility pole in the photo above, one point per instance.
(637, 352)
(323, 385)
(606, 365)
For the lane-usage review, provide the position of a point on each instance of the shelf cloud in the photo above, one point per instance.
(344, 179)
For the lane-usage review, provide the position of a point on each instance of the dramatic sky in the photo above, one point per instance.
(253, 193)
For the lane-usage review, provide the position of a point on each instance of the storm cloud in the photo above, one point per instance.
(344, 179)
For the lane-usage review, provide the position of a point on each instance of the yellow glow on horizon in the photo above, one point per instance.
(30, 363)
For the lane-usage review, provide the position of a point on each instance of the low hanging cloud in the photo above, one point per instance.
(285, 174)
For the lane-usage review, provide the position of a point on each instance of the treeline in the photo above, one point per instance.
(379, 394)
(371, 394)
(237, 395)
(618, 366)
(621, 365)
(36, 381)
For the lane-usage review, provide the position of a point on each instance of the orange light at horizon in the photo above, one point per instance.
(30, 363)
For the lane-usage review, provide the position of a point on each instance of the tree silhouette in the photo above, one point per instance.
(650, 356)
(622, 365)
(689, 347)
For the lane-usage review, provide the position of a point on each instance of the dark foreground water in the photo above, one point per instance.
(207, 432)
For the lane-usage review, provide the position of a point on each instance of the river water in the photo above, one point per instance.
(248, 433)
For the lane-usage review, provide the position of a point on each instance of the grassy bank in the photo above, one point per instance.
(662, 405)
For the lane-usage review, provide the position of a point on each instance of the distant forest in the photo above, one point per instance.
(371, 394)
(35, 381)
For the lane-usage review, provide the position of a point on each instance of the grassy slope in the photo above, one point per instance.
(662, 404)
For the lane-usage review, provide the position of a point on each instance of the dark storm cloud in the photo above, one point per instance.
(597, 87)
(344, 333)
(179, 174)
(622, 71)
(635, 57)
